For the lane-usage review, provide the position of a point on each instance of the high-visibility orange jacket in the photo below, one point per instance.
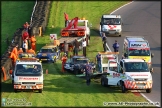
(25, 35)
(64, 58)
(66, 16)
(13, 57)
(15, 51)
(33, 40)
(31, 51)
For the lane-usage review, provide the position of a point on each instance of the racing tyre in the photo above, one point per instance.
(15, 90)
(120, 35)
(123, 88)
(148, 90)
(40, 91)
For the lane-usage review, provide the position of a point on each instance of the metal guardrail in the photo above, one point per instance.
(33, 13)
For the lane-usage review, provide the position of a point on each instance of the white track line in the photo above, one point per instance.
(110, 50)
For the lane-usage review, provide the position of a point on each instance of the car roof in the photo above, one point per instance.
(48, 47)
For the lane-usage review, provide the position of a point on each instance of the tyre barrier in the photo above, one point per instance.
(40, 17)
(38, 24)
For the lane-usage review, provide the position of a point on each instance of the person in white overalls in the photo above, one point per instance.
(84, 47)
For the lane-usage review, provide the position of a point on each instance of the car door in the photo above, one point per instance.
(67, 65)
(114, 75)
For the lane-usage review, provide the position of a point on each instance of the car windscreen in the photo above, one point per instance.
(111, 21)
(80, 60)
(46, 51)
(28, 70)
(139, 52)
(136, 67)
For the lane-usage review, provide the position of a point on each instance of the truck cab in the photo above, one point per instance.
(111, 25)
(76, 29)
(129, 74)
(136, 47)
(28, 75)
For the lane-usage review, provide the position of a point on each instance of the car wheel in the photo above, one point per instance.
(40, 91)
(148, 90)
(123, 88)
(103, 82)
(15, 90)
(76, 71)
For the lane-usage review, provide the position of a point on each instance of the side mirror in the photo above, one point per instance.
(152, 55)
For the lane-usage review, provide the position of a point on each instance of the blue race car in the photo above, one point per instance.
(48, 53)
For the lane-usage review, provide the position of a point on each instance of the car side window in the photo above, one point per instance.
(121, 64)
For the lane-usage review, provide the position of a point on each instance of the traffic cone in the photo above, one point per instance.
(46, 71)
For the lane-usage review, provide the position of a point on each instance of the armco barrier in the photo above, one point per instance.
(38, 20)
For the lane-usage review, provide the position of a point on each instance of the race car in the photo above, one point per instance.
(76, 63)
(48, 53)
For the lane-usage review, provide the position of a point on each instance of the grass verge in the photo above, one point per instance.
(64, 89)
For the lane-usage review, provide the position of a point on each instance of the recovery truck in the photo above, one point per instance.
(129, 74)
(76, 29)
(27, 75)
(136, 47)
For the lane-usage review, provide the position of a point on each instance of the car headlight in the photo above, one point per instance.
(39, 83)
(150, 78)
(118, 30)
(17, 82)
(104, 29)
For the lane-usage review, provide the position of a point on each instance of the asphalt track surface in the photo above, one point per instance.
(143, 18)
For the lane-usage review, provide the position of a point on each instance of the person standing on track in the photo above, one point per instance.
(66, 18)
(63, 59)
(84, 47)
(98, 59)
(104, 39)
(88, 71)
(33, 42)
(13, 58)
(15, 51)
(66, 47)
(116, 46)
(76, 47)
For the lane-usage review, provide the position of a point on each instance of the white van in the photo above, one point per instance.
(111, 25)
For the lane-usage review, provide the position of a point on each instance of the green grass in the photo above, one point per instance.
(13, 15)
(64, 89)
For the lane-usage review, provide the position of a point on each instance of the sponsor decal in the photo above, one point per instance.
(138, 75)
(139, 57)
(28, 78)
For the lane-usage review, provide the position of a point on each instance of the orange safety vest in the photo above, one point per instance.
(33, 40)
(13, 56)
(15, 51)
(64, 59)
